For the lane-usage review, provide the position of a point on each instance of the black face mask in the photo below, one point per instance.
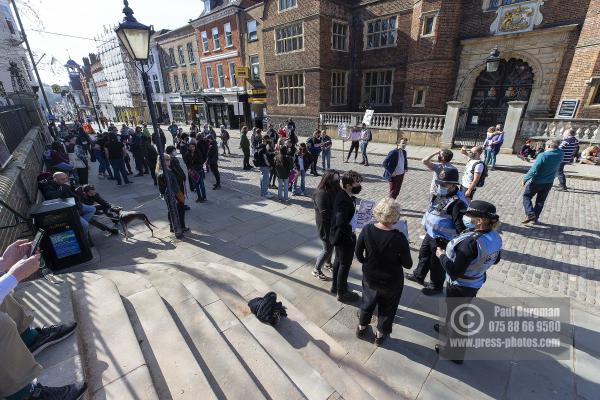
(356, 189)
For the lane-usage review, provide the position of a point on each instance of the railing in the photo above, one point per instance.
(586, 130)
(408, 122)
(14, 125)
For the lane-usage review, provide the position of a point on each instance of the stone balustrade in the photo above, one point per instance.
(586, 130)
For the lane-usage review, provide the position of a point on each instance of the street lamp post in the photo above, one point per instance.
(135, 37)
(492, 62)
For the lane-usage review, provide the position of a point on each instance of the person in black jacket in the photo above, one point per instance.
(194, 160)
(395, 166)
(213, 161)
(283, 165)
(342, 235)
(383, 252)
(151, 160)
(323, 201)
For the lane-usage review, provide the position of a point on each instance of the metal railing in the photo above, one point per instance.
(399, 121)
(14, 125)
(586, 130)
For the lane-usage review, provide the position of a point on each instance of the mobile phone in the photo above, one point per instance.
(37, 240)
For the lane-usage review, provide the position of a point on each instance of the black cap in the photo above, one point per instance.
(447, 175)
(479, 208)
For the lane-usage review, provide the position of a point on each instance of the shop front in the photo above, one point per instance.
(226, 109)
(257, 99)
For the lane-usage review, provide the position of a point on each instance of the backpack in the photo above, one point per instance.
(369, 135)
(484, 173)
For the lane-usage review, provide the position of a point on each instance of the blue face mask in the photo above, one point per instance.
(442, 191)
(468, 222)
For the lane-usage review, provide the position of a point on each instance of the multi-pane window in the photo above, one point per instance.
(289, 38)
(339, 38)
(204, 42)
(232, 74)
(184, 80)
(290, 89)
(167, 85)
(339, 83)
(220, 75)
(252, 34)
(378, 87)
(190, 50)
(194, 81)
(215, 36)
(181, 55)
(172, 57)
(156, 83)
(176, 83)
(285, 4)
(228, 36)
(254, 68)
(381, 33)
(209, 77)
(166, 60)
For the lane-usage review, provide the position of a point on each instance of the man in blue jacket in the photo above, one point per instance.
(395, 166)
(539, 178)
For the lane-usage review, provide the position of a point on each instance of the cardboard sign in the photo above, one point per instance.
(368, 117)
(364, 216)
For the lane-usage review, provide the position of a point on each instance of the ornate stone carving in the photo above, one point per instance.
(515, 18)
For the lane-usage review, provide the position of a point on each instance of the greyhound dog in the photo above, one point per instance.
(123, 218)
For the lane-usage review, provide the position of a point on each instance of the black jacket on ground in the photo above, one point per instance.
(343, 210)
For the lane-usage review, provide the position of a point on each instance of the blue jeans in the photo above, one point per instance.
(301, 177)
(200, 188)
(325, 256)
(490, 157)
(103, 165)
(562, 179)
(282, 189)
(264, 181)
(118, 166)
(63, 166)
(326, 159)
(363, 152)
(540, 191)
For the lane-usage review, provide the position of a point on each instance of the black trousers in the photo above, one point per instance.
(313, 163)
(344, 254)
(128, 163)
(82, 176)
(180, 213)
(456, 296)
(386, 300)
(354, 146)
(428, 262)
(246, 158)
(214, 167)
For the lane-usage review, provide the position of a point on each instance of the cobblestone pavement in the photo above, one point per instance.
(560, 256)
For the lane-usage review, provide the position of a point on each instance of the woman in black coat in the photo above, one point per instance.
(323, 203)
(383, 252)
(194, 160)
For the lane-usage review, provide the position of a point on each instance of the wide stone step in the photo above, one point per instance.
(113, 362)
(174, 369)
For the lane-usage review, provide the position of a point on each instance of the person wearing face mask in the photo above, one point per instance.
(323, 201)
(395, 166)
(442, 222)
(465, 261)
(342, 235)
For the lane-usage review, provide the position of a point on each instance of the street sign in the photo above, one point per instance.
(567, 108)
(368, 117)
(242, 72)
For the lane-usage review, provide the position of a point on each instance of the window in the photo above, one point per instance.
(419, 96)
(184, 80)
(215, 36)
(181, 55)
(596, 98)
(167, 86)
(339, 38)
(381, 33)
(166, 60)
(254, 68)
(378, 87)
(195, 81)
(150, 58)
(290, 89)
(287, 4)
(252, 35)
(209, 77)
(232, 75)
(338, 88)
(220, 75)
(190, 50)
(204, 42)
(172, 58)
(428, 24)
(289, 38)
(494, 4)
(228, 36)
(156, 83)
(176, 83)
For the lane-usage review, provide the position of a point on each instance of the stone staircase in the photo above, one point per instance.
(172, 331)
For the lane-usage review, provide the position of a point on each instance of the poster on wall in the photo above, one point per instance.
(567, 108)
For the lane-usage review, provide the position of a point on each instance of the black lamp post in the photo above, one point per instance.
(135, 37)
(492, 63)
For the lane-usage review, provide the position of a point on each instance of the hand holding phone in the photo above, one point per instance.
(36, 242)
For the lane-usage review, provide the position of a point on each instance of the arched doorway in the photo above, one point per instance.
(490, 97)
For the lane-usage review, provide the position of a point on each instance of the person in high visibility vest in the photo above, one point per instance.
(465, 261)
(442, 222)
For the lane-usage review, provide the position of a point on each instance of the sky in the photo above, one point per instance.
(86, 18)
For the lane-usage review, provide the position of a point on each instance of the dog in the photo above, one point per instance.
(123, 218)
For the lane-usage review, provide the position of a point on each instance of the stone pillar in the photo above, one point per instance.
(451, 123)
(512, 124)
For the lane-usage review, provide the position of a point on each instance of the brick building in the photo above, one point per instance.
(414, 56)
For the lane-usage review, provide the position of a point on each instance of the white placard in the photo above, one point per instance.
(364, 216)
(343, 130)
(368, 117)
